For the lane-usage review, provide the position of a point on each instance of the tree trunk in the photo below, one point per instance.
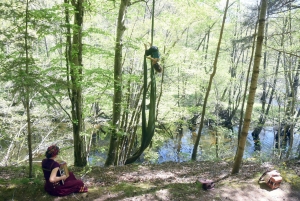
(194, 154)
(265, 111)
(27, 92)
(234, 88)
(117, 84)
(253, 86)
(74, 67)
(246, 84)
(291, 114)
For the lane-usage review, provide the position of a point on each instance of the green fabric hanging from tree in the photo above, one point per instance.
(147, 130)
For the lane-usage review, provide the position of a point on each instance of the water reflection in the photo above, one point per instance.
(180, 149)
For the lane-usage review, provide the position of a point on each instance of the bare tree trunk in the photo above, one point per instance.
(194, 154)
(253, 86)
(113, 145)
(291, 114)
(265, 111)
(27, 92)
(4, 161)
(246, 84)
(74, 68)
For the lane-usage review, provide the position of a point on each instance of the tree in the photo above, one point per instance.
(268, 90)
(27, 90)
(117, 100)
(253, 86)
(194, 154)
(19, 69)
(74, 69)
(293, 84)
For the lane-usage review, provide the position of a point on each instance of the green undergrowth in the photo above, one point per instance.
(289, 176)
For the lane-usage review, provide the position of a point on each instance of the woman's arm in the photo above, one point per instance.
(155, 60)
(53, 178)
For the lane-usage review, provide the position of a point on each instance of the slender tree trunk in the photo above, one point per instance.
(290, 114)
(161, 89)
(206, 50)
(253, 86)
(27, 91)
(265, 111)
(262, 118)
(293, 96)
(123, 141)
(178, 86)
(246, 84)
(234, 88)
(194, 154)
(117, 84)
(217, 143)
(278, 138)
(132, 138)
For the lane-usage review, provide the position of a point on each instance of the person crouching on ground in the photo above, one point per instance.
(153, 54)
(56, 184)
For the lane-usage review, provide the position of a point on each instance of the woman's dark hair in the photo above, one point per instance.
(157, 67)
(52, 151)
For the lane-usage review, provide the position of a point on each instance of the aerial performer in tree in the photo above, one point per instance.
(55, 183)
(153, 54)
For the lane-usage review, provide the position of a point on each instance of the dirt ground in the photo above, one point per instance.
(177, 181)
(170, 181)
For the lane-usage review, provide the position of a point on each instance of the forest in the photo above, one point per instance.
(74, 73)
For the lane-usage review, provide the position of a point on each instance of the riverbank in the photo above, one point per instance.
(167, 181)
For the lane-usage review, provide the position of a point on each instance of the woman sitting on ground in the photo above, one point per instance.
(57, 184)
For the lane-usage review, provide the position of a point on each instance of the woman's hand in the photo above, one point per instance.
(64, 177)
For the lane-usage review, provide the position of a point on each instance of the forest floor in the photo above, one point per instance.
(167, 181)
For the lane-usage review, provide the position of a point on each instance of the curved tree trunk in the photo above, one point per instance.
(194, 154)
(253, 86)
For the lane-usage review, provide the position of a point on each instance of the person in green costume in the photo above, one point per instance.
(153, 54)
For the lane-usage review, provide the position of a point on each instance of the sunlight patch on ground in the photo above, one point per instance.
(164, 175)
(147, 175)
(145, 185)
(11, 186)
(246, 192)
(163, 194)
(108, 196)
(145, 197)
